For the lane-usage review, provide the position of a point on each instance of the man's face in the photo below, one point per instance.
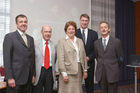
(46, 33)
(104, 29)
(84, 22)
(22, 24)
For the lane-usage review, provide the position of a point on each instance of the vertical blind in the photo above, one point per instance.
(4, 24)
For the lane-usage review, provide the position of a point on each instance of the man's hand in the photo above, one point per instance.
(33, 79)
(65, 78)
(11, 83)
(87, 58)
(85, 75)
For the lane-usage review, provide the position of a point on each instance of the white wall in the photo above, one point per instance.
(53, 12)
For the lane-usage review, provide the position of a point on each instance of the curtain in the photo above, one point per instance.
(124, 10)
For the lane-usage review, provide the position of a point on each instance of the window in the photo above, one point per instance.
(4, 24)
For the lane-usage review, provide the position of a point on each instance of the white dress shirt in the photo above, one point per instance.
(44, 45)
(86, 33)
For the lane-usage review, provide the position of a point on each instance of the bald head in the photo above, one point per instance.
(46, 32)
(46, 27)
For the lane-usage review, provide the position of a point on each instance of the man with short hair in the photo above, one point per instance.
(108, 52)
(19, 58)
(88, 36)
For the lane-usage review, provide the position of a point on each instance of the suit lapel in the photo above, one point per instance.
(28, 40)
(52, 50)
(80, 36)
(70, 43)
(79, 33)
(88, 38)
(109, 43)
(20, 38)
(78, 44)
(101, 44)
(41, 47)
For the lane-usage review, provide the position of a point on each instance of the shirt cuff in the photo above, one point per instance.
(64, 74)
(85, 70)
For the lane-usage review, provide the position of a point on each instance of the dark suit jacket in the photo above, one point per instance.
(108, 61)
(92, 36)
(19, 60)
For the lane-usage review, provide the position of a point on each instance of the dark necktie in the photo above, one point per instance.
(47, 57)
(104, 43)
(83, 35)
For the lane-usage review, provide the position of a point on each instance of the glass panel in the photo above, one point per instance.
(4, 24)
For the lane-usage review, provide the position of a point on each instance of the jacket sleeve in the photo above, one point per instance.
(85, 67)
(119, 52)
(60, 56)
(7, 54)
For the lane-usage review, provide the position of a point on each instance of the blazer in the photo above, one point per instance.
(67, 59)
(108, 61)
(39, 60)
(92, 36)
(19, 60)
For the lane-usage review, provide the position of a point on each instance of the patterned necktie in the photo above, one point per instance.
(104, 44)
(83, 35)
(47, 57)
(24, 39)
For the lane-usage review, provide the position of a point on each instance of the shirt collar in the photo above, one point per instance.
(20, 32)
(44, 41)
(83, 29)
(67, 37)
(107, 38)
(75, 38)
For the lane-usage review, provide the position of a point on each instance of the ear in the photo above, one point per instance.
(109, 30)
(41, 32)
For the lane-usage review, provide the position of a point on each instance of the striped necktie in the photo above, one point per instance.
(24, 39)
(83, 35)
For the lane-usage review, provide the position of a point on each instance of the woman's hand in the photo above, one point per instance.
(85, 75)
(65, 78)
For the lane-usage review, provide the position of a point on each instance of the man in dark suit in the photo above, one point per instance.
(19, 58)
(88, 36)
(108, 52)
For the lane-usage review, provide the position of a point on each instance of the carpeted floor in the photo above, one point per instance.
(124, 89)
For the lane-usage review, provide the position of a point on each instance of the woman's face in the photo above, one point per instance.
(70, 31)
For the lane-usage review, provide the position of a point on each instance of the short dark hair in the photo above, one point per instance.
(20, 15)
(70, 23)
(105, 23)
(84, 15)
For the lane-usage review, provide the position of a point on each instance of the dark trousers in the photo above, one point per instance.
(107, 87)
(27, 88)
(89, 81)
(45, 83)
